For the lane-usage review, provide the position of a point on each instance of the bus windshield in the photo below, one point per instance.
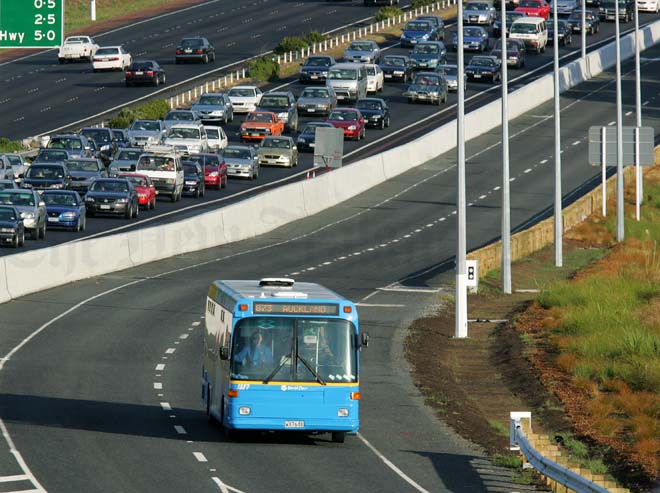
(294, 350)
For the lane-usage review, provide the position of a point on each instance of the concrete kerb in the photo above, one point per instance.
(4, 285)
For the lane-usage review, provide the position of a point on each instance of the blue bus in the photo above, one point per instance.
(281, 355)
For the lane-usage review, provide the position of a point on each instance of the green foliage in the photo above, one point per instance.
(151, 110)
(264, 69)
(387, 13)
(421, 3)
(510, 461)
(498, 427)
(291, 43)
(314, 37)
(7, 145)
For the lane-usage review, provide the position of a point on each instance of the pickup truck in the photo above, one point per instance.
(77, 48)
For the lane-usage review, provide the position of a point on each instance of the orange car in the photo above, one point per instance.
(259, 124)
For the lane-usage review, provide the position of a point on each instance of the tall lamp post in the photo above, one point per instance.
(558, 220)
(638, 109)
(506, 205)
(620, 231)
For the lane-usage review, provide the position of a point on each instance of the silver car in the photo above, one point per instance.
(482, 13)
(278, 150)
(31, 208)
(213, 108)
(317, 101)
(362, 51)
(15, 162)
(125, 160)
(77, 145)
(451, 76)
(241, 161)
(143, 132)
(564, 7)
(175, 117)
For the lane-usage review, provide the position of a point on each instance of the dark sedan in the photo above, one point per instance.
(510, 17)
(52, 156)
(83, 172)
(197, 49)
(45, 176)
(65, 209)
(112, 196)
(12, 231)
(483, 67)
(397, 67)
(193, 179)
(591, 20)
(315, 69)
(515, 52)
(564, 33)
(375, 111)
(307, 138)
(144, 72)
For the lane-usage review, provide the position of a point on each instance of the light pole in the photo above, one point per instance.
(558, 222)
(92, 9)
(620, 231)
(638, 111)
(461, 271)
(506, 205)
(583, 31)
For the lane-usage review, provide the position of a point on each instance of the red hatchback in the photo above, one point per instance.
(144, 187)
(215, 169)
(350, 120)
(534, 8)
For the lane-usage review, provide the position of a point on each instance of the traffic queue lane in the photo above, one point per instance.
(408, 121)
(80, 399)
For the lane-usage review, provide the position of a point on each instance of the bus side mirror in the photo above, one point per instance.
(224, 352)
(364, 339)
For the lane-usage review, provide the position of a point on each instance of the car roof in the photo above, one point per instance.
(60, 192)
(238, 146)
(106, 47)
(187, 125)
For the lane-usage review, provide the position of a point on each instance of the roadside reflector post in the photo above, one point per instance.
(604, 169)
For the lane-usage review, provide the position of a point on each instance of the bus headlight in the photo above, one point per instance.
(244, 411)
(342, 412)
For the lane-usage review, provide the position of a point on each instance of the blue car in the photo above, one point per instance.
(64, 209)
(417, 31)
(475, 38)
(428, 55)
(307, 138)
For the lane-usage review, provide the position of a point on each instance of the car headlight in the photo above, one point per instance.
(324, 73)
(142, 195)
(122, 200)
(57, 185)
(27, 215)
(398, 72)
(89, 199)
(105, 147)
(69, 215)
(352, 127)
(214, 173)
(342, 412)
(425, 36)
(283, 158)
(301, 140)
(8, 230)
(283, 116)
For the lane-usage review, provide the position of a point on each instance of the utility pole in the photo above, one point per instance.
(506, 202)
(558, 222)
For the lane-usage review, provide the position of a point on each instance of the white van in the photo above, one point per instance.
(532, 30)
(348, 80)
(163, 165)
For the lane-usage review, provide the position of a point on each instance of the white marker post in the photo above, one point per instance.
(638, 172)
(92, 9)
(604, 169)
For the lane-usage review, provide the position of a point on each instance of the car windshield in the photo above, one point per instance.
(107, 51)
(368, 104)
(7, 184)
(349, 116)
(530, 3)
(204, 160)
(396, 61)
(318, 61)
(510, 45)
(212, 133)
(98, 134)
(274, 101)
(110, 186)
(213, 100)
(45, 172)
(51, 155)
(80, 165)
(65, 143)
(522, 28)
(7, 215)
(315, 93)
(233, 153)
(190, 169)
(155, 163)
(59, 199)
(183, 133)
(342, 74)
(425, 49)
(476, 6)
(371, 70)
(512, 16)
(427, 80)
(20, 198)
(360, 46)
(276, 143)
(418, 26)
(146, 125)
(448, 70)
(118, 135)
(294, 349)
(242, 92)
(259, 117)
(482, 62)
(191, 43)
(14, 160)
(141, 66)
(182, 116)
(128, 155)
(137, 181)
(75, 40)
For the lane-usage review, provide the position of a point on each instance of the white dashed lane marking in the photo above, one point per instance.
(166, 406)
(200, 457)
(158, 385)
(160, 367)
(180, 430)
(170, 350)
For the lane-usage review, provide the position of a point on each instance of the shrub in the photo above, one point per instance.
(388, 12)
(151, 110)
(7, 145)
(264, 69)
(314, 37)
(421, 3)
(291, 43)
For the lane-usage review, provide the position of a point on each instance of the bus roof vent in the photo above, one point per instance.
(290, 294)
(277, 282)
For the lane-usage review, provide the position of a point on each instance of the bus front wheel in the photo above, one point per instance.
(338, 436)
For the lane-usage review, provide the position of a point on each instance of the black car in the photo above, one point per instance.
(315, 69)
(144, 72)
(510, 17)
(375, 111)
(120, 137)
(283, 104)
(307, 138)
(564, 31)
(47, 176)
(592, 22)
(83, 172)
(397, 67)
(515, 52)
(607, 10)
(12, 231)
(112, 196)
(193, 179)
(482, 67)
(52, 156)
(197, 49)
(105, 142)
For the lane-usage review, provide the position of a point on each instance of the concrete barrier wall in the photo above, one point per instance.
(34, 271)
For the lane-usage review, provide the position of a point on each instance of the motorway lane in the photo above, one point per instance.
(79, 399)
(407, 123)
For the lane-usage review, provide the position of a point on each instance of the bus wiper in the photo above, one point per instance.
(279, 367)
(312, 371)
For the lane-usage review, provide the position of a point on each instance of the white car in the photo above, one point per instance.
(77, 48)
(216, 137)
(111, 58)
(648, 5)
(187, 138)
(375, 78)
(244, 99)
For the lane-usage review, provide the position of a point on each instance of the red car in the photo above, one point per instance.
(215, 169)
(144, 187)
(534, 8)
(350, 120)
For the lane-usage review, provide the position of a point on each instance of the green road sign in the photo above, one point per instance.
(31, 23)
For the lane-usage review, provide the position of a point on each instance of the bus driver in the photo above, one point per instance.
(255, 353)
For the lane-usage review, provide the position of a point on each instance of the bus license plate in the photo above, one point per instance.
(294, 424)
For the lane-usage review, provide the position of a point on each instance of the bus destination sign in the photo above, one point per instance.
(31, 23)
(296, 308)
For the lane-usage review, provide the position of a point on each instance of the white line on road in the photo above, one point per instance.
(158, 386)
(180, 430)
(160, 367)
(628, 113)
(17, 477)
(183, 336)
(195, 324)
(170, 350)
(577, 142)
(166, 406)
(200, 457)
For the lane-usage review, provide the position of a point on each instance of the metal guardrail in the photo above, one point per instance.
(570, 479)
